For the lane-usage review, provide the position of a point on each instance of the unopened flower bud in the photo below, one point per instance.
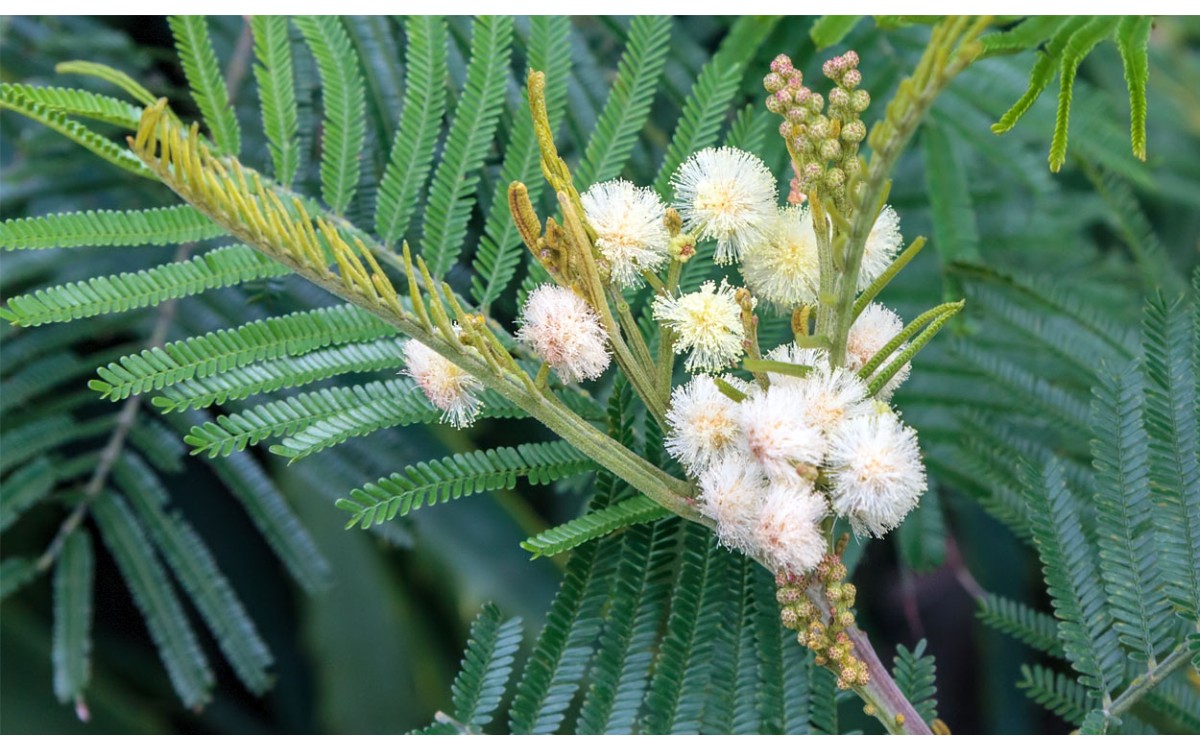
(851, 78)
(672, 221)
(772, 82)
(851, 59)
(802, 95)
(782, 65)
(819, 128)
(812, 172)
(775, 105)
(845, 618)
(787, 595)
(795, 115)
(860, 100)
(789, 618)
(816, 103)
(831, 149)
(849, 591)
(854, 131)
(839, 97)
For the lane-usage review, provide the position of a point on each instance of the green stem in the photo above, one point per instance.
(1145, 683)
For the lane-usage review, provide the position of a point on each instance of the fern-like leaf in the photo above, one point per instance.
(77, 103)
(500, 248)
(72, 637)
(283, 372)
(463, 474)
(1133, 36)
(1085, 625)
(152, 592)
(343, 129)
(1124, 522)
(154, 226)
(205, 80)
(420, 121)
(476, 116)
(486, 665)
(629, 101)
(1056, 692)
(1077, 47)
(224, 350)
(1029, 626)
(276, 79)
(636, 510)
(102, 295)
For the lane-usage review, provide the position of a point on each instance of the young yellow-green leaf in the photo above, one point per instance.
(827, 31)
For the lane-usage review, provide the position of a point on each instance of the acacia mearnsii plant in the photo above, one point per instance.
(711, 345)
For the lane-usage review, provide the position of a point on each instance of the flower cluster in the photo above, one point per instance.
(774, 465)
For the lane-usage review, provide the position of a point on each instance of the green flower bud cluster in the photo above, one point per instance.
(822, 629)
(822, 135)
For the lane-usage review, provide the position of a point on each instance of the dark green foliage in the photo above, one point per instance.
(486, 666)
(570, 535)
(73, 577)
(155, 226)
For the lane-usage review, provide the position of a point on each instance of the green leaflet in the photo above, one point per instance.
(276, 94)
(154, 226)
(636, 510)
(72, 637)
(486, 665)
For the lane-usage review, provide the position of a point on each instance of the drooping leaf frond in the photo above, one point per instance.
(196, 570)
(344, 100)
(173, 225)
(206, 81)
(222, 267)
(168, 624)
(452, 193)
(1029, 626)
(72, 638)
(463, 474)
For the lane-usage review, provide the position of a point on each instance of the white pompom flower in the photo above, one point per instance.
(708, 322)
(565, 332)
(831, 395)
(875, 471)
(882, 247)
(703, 422)
(447, 386)
(785, 269)
(875, 327)
(630, 232)
(731, 493)
(778, 435)
(728, 195)
(787, 536)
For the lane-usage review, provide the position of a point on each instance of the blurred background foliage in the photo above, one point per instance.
(367, 628)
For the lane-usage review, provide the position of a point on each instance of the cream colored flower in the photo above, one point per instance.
(565, 332)
(731, 493)
(787, 535)
(875, 327)
(778, 434)
(629, 226)
(875, 471)
(703, 423)
(882, 247)
(728, 195)
(785, 269)
(446, 385)
(707, 322)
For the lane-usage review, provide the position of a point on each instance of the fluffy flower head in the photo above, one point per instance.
(875, 327)
(778, 435)
(731, 493)
(709, 322)
(875, 471)
(565, 332)
(785, 269)
(786, 534)
(728, 195)
(882, 247)
(703, 421)
(447, 386)
(629, 226)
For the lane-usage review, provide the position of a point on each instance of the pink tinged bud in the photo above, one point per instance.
(812, 172)
(795, 115)
(773, 82)
(801, 145)
(785, 129)
(839, 97)
(795, 80)
(802, 95)
(851, 59)
(854, 131)
(774, 104)
(851, 78)
(835, 178)
(831, 149)
(782, 65)
(832, 67)
(860, 100)
(816, 103)
(819, 128)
